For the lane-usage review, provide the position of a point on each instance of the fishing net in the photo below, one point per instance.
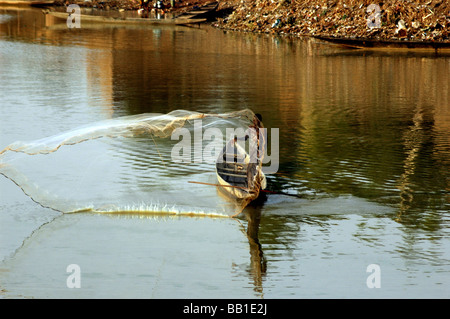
(159, 125)
(123, 164)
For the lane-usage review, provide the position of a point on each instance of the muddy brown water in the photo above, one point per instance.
(364, 140)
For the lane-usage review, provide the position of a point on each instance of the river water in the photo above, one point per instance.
(364, 143)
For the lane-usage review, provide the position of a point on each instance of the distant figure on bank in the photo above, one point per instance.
(159, 7)
(144, 8)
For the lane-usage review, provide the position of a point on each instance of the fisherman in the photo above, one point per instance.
(144, 8)
(256, 147)
(256, 125)
(159, 7)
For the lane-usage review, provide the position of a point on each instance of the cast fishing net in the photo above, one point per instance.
(125, 163)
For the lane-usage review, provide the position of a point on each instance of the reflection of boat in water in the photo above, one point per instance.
(239, 177)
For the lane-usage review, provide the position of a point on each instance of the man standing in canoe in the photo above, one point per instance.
(256, 150)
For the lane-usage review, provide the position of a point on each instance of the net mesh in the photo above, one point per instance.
(116, 164)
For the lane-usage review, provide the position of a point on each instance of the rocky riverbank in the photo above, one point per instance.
(413, 20)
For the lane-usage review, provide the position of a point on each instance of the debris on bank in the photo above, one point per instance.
(413, 20)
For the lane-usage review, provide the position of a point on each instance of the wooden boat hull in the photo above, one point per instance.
(127, 21)
(192, 17)
(203, 12)
(360, 43)
(232, 170)
(26, 3)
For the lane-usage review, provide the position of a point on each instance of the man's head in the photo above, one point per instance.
(257, 120)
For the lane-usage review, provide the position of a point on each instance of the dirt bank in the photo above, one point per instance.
(384, 20)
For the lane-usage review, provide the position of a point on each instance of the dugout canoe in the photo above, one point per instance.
(363, 43)
(26, 3)
(130, 21)
(205, 11)
(237, 176)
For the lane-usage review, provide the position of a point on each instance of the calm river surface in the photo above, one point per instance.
(364, 140)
